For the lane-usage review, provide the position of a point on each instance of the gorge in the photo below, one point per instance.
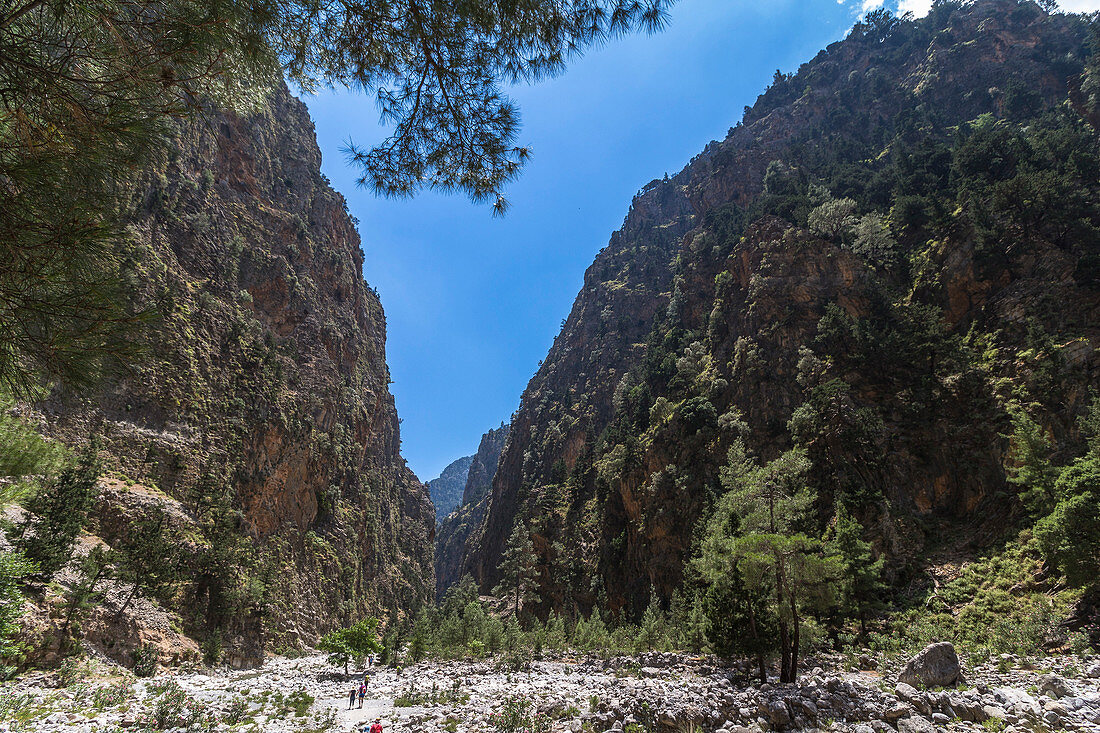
(822, 423)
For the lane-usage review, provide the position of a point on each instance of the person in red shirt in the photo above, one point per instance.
(377, 727)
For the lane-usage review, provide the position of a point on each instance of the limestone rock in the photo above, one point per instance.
(937, 665)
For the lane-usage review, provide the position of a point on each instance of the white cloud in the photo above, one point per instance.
(920, 8)
(1079, 6)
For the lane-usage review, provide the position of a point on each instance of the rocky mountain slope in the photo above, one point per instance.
(891, 254)
(261, 421)
(446, 489)
(451, 536)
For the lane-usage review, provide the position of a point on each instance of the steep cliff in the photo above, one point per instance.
(894, 249)
(450, 540)
(446, 489)
(262, 413)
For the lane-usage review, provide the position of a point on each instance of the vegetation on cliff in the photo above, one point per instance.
(889, 259)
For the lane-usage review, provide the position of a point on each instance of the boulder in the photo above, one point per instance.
(915, 724)
(937, 665)
(1054, 686)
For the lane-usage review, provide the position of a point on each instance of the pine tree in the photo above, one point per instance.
(739, 621)
(556, 638)
(860, 571)
(148, 558)
(517, 568)
(757, 529)
(24, 454)
(85, 594)
(13, 568)
(1032, 470)
(57, 513)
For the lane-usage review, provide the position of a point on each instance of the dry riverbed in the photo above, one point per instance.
(656, 692)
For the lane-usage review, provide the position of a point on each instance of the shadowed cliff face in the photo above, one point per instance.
(264, 401)
(891, 348)
(455, 528)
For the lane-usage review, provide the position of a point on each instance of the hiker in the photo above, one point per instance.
(366, 680)
(377, 727)
(351, 699)
(362, 694)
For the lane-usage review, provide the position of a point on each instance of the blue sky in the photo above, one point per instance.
(473, 302)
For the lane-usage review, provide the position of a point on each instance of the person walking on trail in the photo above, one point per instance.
(377, 727)
(351, 698)
(366, 680)
(362, 695)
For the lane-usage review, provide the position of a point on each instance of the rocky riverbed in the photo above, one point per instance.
(657, 692)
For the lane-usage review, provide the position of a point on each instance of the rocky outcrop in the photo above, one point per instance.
(450, 540)
(446, 489)
(262, 409)
(722, 309)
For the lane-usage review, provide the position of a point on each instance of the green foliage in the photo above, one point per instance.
(517, 568)
(996, 605)
(738, 620)
(58, 511)
(1089, 423)
(1070, 535)
(1031, 468)
(862, 587)
(85, 594)
(24, 453)
(148, 557)
(756, 535)
(516, 714)
(173, 708)
(353, 642)
(69, 142)
(13, 568)
(145, 660)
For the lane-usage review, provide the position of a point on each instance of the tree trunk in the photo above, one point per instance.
(785, 652)
(794, 640)
(126, 603)
(756, 638)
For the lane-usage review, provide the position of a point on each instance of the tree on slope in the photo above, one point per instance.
(58, 511)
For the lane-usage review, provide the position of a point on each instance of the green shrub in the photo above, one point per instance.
(145, 660)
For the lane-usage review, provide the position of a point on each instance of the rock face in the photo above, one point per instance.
(263, 408)
(446, 489)
(451, 536)
(885, 333)
(937, 665)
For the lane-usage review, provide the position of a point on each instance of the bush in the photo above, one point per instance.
(516, 716)
(145, 660)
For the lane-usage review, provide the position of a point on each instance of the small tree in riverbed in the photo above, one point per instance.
(354, 642)
(517, 567)
(757, 531)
